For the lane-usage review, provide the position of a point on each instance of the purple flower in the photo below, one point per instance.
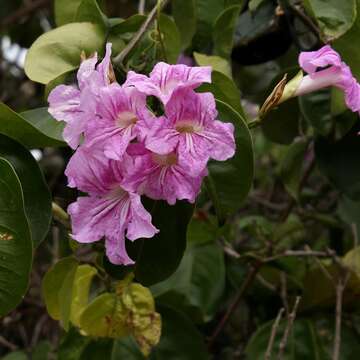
(161, 177)
(66, 103)
(109, 211)
(190, 128)
(325, 68)
(120, 113)
(165, 78)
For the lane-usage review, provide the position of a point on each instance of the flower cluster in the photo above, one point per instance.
(326, 68)
(124, 151)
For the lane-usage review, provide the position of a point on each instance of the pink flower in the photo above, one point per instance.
(165, 78)
(66, 103)
(120, 113)
(190, 128)
(161, 177)
(325, 68)
(109, 211)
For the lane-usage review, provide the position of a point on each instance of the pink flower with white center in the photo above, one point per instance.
(165, 79)
(109, 211)
(325, 68)
(190, 129)
(161, 177)
(66, 103)
(120, 113)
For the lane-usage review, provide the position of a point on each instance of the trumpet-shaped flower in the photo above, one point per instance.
(325, 68)
(120, 112)
(66, 102)
(190, 129)
(161, 177)
(109, 210)
(165, 79)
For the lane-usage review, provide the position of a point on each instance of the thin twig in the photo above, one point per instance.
(22, 12)
(284, 292)
(141, 9)
(289, 325)
(119, 60)
(7, 344)
(60, 215)
(245, 285)
(340, 287)
(299, 253)
(273, 334)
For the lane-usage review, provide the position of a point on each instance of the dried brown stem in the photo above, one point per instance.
(273, 334)
(245, 285)
(290, 323)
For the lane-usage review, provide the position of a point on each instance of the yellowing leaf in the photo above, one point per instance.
(216, 62)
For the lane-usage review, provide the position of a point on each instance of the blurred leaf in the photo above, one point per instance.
(171, 38)
(349, 211)
(345, 45)
(57, 289)
(129, 25)
(131, 310)
(334, 17)
(291, 166)
(224, 89)
(98, 349)
(180, 340)
(231, 180)
(58, 51)
(339, 162)
(41, 351)
(151, 264)
(184, 13)
(32, 130)
(224, 29)
(89, 11)
(72, 345)
(199, 282)
(281, 125)
(15, 355)
(303, 342)
(15, 240)
(201, 229)
(352, 260)
(216, 62)
(80, 293)
(316, 109)
(254, 4)
(37, 198)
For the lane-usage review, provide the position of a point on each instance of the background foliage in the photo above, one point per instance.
(266, 265)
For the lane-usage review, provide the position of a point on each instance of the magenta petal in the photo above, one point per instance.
(86, 71)
(142, 83)
(140, 225)
(116, 251)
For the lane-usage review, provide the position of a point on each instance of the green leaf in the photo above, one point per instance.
(303, 342)
(224, 89)
(41, 351)
(232, 179)
(72, 345)
(199, 282)
(254, 4)
(57, 289)
(224, 29)
(36, 194)
(65, 11)
(58, 51)
(201, 230)
(151, 264)
(30, 130)
(184, 13)
(339, 162)
(334, 17)
(45, 123)
(15, 355)
(345, 45)
(80, 292)
(171, 38)
(216, 62)
(89, 11)
(281, 125)
(129, 25)
(15, 240)
(291, 168)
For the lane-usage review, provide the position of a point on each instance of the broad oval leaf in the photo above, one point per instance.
(216, 62)
(36, 193)
(170, 38)
(334, 17)
(57, 289)
(65, 11)
(32, 128)
(152, 265)
(15, 240)
(231, 180)
(58, 51)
